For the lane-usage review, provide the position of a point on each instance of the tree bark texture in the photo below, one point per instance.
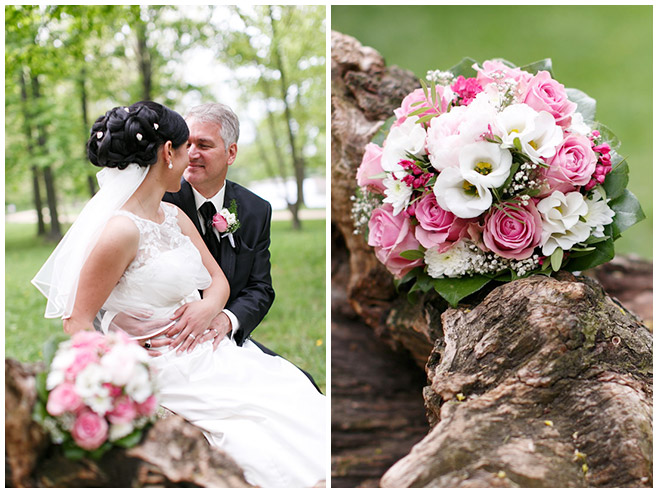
(538, 382)
(173, 453)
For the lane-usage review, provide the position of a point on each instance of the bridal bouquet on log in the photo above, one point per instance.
(98, 392)
(492, 172)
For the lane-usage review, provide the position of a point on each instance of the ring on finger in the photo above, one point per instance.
(216, 332)
(192, 336)
(147, 344)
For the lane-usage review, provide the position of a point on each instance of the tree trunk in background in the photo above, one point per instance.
(55, 233)
(297, 158)
(143, 54)
(541, 382)
(86, 127)
(27, 130)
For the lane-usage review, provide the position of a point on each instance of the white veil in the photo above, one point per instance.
(58, 278)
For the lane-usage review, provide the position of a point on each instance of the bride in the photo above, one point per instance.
(129, 252)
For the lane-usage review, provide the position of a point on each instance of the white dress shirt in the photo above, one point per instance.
(218, 201)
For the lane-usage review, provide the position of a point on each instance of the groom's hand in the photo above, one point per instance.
(218, 328)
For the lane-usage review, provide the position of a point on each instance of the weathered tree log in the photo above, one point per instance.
(546, 383)
(573, 360)
(173, 453)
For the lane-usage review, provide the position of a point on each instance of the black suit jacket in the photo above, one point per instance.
(247, 266)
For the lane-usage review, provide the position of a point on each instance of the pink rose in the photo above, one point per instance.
(124, 410)
(418, 96)
(574, 163)
(392, 235)
(83, 357)
(371, 166)
(219, 223)
(491, 67)
(148, 407)
(89, 430)
(513, 233)
(63, 398)
(88, 339)
(437, 228)
(546, 94)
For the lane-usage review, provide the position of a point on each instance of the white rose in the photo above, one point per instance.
(561, 221)
(485, 163)
(459, 196)
(120, 430)
(139, 386)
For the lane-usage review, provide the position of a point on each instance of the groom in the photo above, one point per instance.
(244, 254)
(245, 258)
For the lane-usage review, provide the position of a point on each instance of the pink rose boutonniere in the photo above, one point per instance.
(226, 222)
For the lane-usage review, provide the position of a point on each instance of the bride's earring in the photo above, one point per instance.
(170, 166)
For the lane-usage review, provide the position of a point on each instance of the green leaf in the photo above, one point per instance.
(130, 440)
(616, 181)
(586, 104)
(381, 134)
(41, 379)
(535, 67)
(453, 290)
(556, 259)
(604, 252)
(419, 111)
(72, 451)
(425, 118)
(465, 68)
(627, 212)
(517, 143)
(607, 135)
(412, 254)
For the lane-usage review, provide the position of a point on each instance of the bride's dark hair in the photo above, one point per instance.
(133, 134)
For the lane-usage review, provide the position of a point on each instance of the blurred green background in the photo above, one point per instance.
(605, 51)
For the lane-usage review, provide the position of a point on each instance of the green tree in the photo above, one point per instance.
(286, 47)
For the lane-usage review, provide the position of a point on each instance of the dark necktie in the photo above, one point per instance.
(207, 211)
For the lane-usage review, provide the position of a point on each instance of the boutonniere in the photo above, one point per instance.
(226, 222)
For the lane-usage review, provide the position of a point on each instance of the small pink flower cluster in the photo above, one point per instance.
(603, 164)
(466, 89)
(100, 388)
(472, 164)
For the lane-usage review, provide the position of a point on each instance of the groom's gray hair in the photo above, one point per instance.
(221, 114)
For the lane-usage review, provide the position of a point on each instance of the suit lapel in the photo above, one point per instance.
(227, 255)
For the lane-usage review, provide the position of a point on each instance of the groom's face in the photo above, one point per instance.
(209, 158)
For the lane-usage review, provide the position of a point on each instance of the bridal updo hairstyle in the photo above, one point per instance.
(133, 134)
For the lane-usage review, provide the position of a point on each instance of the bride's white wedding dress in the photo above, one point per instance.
(260, 409)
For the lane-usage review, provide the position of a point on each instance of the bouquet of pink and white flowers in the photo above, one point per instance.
(98, 392)
(492, 172)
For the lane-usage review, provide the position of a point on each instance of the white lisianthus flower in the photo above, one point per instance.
(120, 362)
(562, 221)
(537, 132)
(90, 380)
(120, 430)
(397, 194)
(516, 121)
(544, 139)
(485, 163)
(598, 214)
(139, 387)
(454, 262)
(407, 138)
(456, 194)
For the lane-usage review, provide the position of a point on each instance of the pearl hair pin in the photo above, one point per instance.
(139, 137)
(156, 126)
(99, 135)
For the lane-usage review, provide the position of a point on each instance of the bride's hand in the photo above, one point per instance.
(193, 320)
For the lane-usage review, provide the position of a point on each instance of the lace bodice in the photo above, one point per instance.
(167, 270)
(155, 238)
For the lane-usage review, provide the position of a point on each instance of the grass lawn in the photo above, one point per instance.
(295, 327)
